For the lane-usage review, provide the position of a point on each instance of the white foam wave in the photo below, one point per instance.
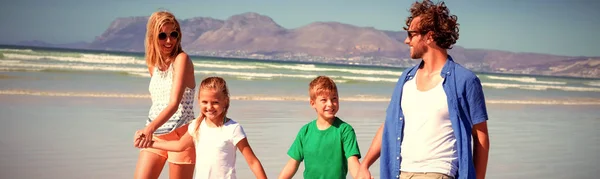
(80, 67)
(10, 61)
(525, 80)
(539, 87)
(142, 74)
(371, 79)
(84, 58)
(16, 50)
(251, 78)
(359, 98)
(305, 67)
(72, 94)
(593, 83)
(19, 69)
(546, 102)
(254, 75)
(228, 66)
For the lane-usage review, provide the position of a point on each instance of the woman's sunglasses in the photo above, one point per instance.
(163, 35)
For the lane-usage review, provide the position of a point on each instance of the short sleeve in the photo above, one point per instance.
(350, 143)
(238, 134)
(476, 101)
(296, 150)
(192, 128)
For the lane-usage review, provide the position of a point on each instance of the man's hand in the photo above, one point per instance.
(363, 173)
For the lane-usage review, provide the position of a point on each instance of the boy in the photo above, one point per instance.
(327, 145)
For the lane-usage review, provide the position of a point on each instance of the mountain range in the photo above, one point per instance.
(255, 35)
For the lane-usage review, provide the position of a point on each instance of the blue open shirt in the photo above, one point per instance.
(466, 107)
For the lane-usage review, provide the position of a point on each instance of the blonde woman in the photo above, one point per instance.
(172, 91)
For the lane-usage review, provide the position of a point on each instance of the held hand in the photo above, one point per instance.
(145, 137)
(137, 139)
(363, 173)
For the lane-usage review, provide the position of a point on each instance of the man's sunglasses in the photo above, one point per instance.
(412, 33)
(163, 35)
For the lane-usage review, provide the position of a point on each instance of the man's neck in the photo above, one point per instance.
(434, 61)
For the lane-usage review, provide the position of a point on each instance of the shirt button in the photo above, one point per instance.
(397, 158)
(397, 176)
(400, 118)
(398, 138)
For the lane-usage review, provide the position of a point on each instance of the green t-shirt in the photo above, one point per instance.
(325, 152)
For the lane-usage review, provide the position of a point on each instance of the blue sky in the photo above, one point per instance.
(562, 27)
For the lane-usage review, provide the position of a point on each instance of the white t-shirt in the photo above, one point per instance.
(429, 144)
(216, 149)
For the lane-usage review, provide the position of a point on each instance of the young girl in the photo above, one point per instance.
(214, 136)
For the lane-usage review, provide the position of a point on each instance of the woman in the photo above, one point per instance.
(171, 88)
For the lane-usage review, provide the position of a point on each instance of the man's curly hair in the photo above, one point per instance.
(435, 18)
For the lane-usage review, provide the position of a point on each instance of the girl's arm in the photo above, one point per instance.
(252, 160)
(183, 143)
(290, 169)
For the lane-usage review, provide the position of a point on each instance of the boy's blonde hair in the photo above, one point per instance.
(215, 84)
(153, 53)
(322, 85)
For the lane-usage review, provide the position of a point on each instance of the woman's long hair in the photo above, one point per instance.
(156, 21)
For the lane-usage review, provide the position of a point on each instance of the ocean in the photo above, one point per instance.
(72, 113)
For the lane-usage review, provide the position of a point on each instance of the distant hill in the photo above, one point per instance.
(257, 34)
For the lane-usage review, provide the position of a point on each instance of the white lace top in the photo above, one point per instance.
(160, 87)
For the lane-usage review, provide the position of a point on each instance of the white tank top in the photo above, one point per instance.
(429, 144)
(160, 88)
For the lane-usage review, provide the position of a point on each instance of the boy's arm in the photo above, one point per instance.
(251, 159)
(371, 156)
(481, 149)
(353, 165)
(183, 143)
(290, 169)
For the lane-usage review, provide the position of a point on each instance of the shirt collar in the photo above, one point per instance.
(446, 70)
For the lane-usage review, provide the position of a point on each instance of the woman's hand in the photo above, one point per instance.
(146, 137)
(137, 138)
(143, 138)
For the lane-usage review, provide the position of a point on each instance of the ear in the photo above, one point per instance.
(429, 37)
(312, 103)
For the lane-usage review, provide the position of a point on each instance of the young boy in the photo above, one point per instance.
(327, 145)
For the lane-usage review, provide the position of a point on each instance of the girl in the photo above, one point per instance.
(215, 136)
(171, 89)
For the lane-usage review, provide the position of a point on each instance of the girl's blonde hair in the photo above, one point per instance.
(215, 84)
(153, 53)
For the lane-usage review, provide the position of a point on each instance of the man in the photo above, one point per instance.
(435, 109)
